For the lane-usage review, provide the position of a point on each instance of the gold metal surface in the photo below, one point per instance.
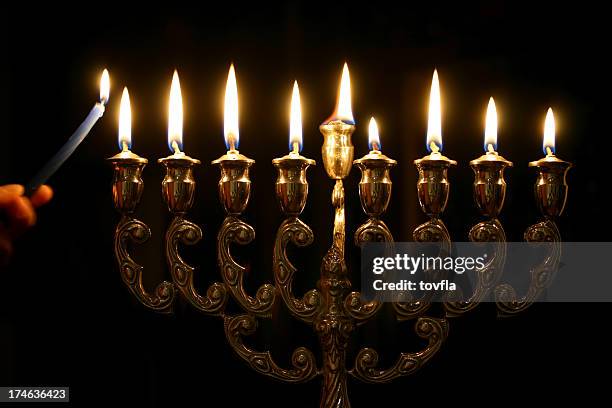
(489, 185)
(291, 184)
(337, 149)
(234, 184)
(332, 309)
(375, 184)
(551, 185)
(127, 180)
(433, 185)
(178, 186)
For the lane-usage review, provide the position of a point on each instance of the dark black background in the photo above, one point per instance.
(67, 319)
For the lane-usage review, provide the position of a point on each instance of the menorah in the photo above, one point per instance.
(332, 309)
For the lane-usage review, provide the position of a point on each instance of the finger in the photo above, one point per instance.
(9, 192)
(21, 216)
(42, 196)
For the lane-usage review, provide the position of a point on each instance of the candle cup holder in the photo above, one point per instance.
(127, 180)
(375, 184)
(127, 190)
(489, 184)
(337, 149)
(234, 184)
(550, 192)
(178, 186)
(551, 185)
(489, 194)
(433, 186)
(291, 184)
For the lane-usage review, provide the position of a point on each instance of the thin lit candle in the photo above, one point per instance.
(230, 120)
(373, 136)
(548, 143)
(73, 142)
(490, 140)
(295, 121)
(434, 124)
(175, 116)
(125, 122)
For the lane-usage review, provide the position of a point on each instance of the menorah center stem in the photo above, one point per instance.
(339, 236)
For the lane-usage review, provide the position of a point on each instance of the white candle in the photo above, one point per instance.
(73, 142)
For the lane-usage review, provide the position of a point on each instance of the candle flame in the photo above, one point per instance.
(490, 139)
(343, 111)
(295, 128)
(434, 124)
(373, 136)
(125, 121)
(232, 137)
(104, 87)
(548, 144)
(175, 115)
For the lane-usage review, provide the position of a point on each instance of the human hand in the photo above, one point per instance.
(17, 214)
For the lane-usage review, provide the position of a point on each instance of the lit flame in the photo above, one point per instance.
(295, 127)
(373, 137)
(125, 122)
(175, 116)
(548, 144)
(434, 124)
(232, 137)
(490, 140)
(104, 87)
(344, 112)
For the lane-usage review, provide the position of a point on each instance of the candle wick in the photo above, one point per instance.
(231, 140)
(175, 147)
(296, 147)
(549, 151)
(490, 148)
(434, 147)
(125, 146)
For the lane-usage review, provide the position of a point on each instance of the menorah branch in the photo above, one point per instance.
(366, 367)
(373, 230)
(299, 234)
(239, 232)
(303, 361)
(433, 230)
(486, 277)
(508, 301)
(133, 230)
(186, 232)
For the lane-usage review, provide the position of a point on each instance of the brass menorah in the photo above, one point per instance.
(332, 309)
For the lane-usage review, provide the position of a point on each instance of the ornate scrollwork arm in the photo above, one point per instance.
(373, 230)
(237, 231)
(433, 230)
(303, 361)
(130, 229)
(295, 231)
(366, 362)
(188, 233)
(486, 277)
(542, 275)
